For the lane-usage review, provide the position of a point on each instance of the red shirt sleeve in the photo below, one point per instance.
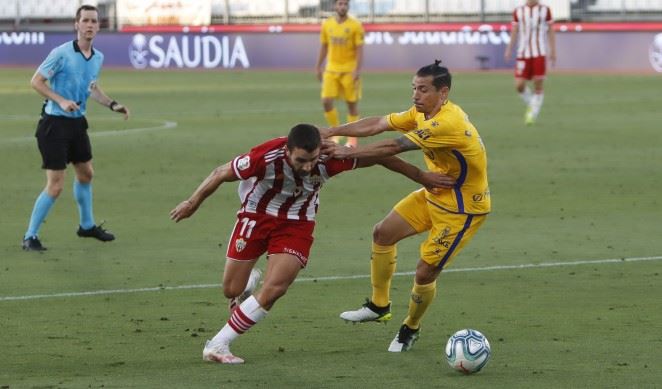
(515, 16)
(253, 163)
(336, 166)
(549, 15)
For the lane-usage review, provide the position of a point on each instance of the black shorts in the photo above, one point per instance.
(62, 140)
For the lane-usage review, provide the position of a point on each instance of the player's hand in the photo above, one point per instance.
(119, 108)
(335, 150)
(552, 58)
(69, 106)
(325, 132)
(182, 211)
(434, 182)
(320, 74)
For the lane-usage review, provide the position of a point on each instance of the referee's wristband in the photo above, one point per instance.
(112, 105)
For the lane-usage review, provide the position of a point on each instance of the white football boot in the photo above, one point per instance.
(368, 312)
(220, 354)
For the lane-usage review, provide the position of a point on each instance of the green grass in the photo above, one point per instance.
(583, 184)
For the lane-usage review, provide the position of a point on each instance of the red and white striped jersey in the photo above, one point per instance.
(533, 22)
(270, 186)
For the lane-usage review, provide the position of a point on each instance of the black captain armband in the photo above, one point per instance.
(113, 104)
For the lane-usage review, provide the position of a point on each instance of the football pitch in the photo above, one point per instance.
(563, 278)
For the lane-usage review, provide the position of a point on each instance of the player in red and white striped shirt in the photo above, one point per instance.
(532, 27)
(279, 192)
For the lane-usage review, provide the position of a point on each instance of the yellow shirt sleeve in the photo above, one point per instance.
(402, 121)
(324, 37)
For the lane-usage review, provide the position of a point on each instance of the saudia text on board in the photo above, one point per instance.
(187, 51)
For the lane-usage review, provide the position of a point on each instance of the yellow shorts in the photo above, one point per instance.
(341, 85)
(448, 232)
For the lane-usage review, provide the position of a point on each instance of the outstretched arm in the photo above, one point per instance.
(383, 148)
(431, 181)
(361, 128)
(218, 176)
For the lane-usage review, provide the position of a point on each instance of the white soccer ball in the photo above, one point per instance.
(468, 351)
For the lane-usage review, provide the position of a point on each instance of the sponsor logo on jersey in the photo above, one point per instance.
(423, 133)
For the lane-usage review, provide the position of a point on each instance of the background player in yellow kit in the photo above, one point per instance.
(451, 145)
(341, 39)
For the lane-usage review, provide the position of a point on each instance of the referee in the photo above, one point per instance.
(72, 70)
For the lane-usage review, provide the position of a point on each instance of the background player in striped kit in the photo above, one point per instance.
(532, 27)
(279, 193)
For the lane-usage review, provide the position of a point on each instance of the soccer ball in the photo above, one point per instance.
(468, 351)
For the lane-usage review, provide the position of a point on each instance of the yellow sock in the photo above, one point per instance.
(382, 267)
(333, 121)
(352, 118)
(421, 297)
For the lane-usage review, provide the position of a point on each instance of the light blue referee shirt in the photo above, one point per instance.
(70, 75)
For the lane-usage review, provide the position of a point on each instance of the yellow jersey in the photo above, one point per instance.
(342, 40)
(451, 145)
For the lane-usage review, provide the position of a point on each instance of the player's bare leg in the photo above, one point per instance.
(537, 98)
(240, 279)
(527, 96)
(282, 270)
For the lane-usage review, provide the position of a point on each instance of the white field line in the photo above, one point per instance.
(165, 125)
(335, 278)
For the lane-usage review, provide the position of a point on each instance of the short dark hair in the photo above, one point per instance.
(440, 75)
(85, 7)
(304, 136)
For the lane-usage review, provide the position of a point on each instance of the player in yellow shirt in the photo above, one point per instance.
(341, 44)
(451, 145)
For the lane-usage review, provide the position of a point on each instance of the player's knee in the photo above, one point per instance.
(54, 190)
(54, 187)
(327, 104)
(426, 273)
(232, 290)
(381, 235)
(85, 176)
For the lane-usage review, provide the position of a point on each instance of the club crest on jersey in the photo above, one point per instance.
(244, 163)
(434, 123)
(316, 179)
(297, 191)
(240, 245)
